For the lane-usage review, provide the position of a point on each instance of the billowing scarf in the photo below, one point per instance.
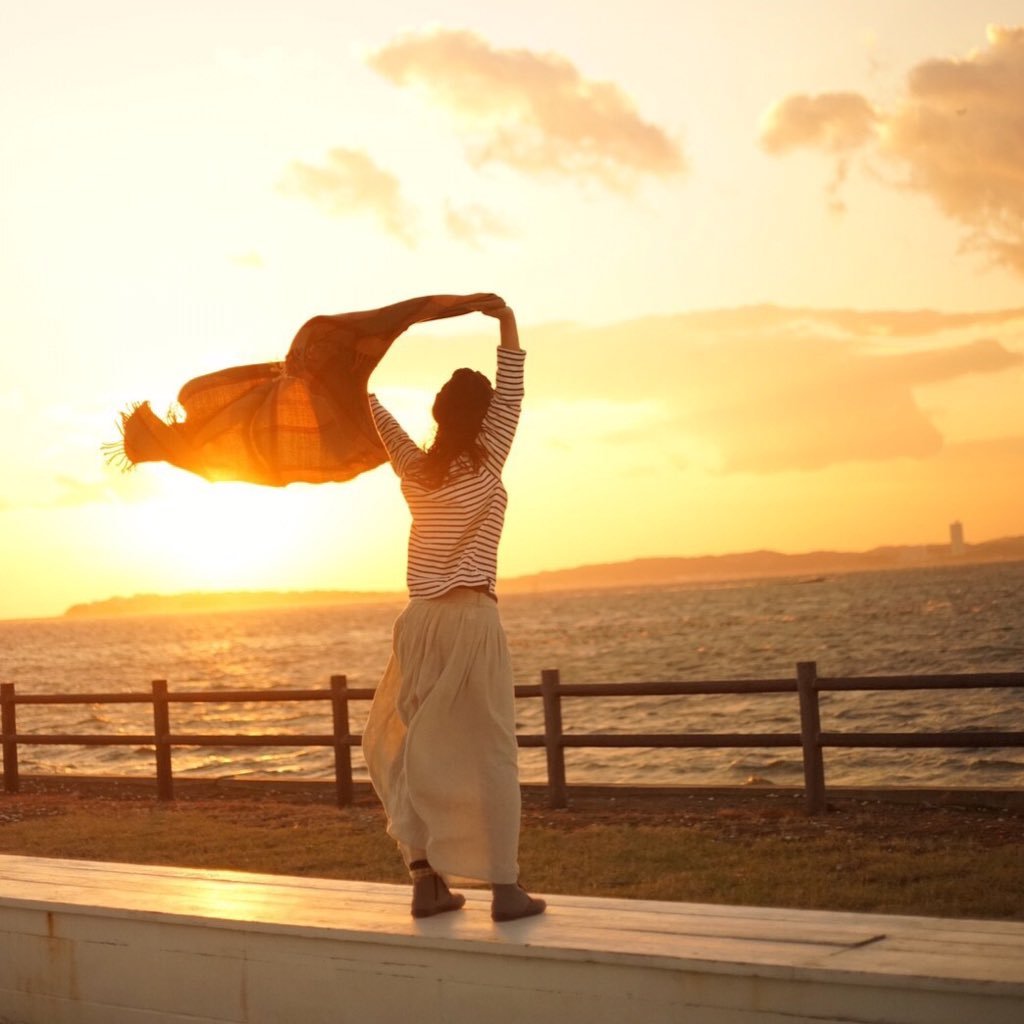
(304, 419)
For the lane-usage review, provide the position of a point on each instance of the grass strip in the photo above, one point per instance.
(865, 856)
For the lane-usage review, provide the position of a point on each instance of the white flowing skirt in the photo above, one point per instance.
(440, 741)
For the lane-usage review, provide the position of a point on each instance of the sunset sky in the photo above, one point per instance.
(767, 260)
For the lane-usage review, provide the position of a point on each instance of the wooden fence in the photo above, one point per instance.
(807, 685)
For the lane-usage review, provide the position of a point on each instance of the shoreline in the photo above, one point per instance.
(690, 572)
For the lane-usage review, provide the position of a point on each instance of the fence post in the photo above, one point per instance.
(550, 680)
(810, 736)
(342, 737)
(8, 726)
(161, 736)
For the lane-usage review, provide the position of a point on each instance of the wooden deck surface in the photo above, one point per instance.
(97, 943)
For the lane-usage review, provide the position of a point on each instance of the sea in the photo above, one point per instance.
(917, 621)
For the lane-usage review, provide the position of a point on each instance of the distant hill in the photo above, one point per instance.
(639, 572)
(228, 601)
(758, 564)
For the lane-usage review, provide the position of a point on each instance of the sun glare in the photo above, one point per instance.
(219, 536)
(196, 535)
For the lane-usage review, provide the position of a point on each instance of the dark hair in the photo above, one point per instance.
(459, 410)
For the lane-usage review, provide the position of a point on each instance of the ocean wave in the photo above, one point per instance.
(967, 619)
(997, 764)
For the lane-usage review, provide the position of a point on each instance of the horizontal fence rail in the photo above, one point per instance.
(807, 685)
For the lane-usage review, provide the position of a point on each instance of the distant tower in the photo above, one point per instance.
(956, 539)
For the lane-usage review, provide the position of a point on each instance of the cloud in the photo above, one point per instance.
(72, 492)
(805, 404)
(352, 183)
(531, 111)
(956, 136)
(837, 122)
(250, 260)
(983, 356)
(62, 491)
(851, 323)
(769, 390)
(472, 223)
(961, 135)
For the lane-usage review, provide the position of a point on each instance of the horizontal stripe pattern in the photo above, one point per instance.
(456, 528)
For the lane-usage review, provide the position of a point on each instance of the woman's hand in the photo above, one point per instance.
(486, 303)
(494, 305)
(507, 321)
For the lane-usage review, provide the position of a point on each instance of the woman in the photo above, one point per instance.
(440, 742)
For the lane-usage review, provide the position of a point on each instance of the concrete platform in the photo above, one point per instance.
(96, 943)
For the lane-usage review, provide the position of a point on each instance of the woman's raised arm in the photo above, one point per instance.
(507, 320)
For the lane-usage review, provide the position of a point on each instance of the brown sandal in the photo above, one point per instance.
(531, 908)
(430, 892)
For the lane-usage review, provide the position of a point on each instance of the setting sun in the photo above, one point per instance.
(225, 536)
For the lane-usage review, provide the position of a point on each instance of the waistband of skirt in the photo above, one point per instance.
(463, 593)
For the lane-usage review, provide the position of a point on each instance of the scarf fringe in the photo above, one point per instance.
(114, 453)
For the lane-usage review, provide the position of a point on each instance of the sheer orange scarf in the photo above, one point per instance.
(303, 419)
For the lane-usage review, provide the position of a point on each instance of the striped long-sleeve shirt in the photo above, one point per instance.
(456, 528)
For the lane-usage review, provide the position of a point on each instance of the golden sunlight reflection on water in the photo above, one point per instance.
(958, 620)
